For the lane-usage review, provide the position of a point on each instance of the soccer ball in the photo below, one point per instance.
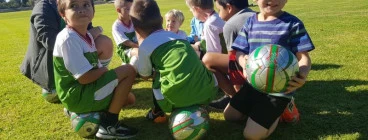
(270, 67)
(85, 125)
(189, 123)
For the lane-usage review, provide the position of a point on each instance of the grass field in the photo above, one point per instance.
(333, 103)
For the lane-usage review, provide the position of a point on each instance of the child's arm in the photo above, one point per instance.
(304, 68)
(242, 60)
(192, 38)
(92, 75)
(96, 31)
(130, 44)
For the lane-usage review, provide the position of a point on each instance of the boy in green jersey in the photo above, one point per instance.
(180, 79)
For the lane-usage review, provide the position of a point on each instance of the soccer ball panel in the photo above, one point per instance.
(189, 123)
(270, 67)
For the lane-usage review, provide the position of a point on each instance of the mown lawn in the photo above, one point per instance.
(333, 103)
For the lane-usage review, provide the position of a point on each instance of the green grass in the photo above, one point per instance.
(333, 103)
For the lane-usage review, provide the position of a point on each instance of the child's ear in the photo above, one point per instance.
(118, 10)
(229, 7)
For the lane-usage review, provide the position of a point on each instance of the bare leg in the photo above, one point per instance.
(255, 131)
(126, 75)
(218, 64)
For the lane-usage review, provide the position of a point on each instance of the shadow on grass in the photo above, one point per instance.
(318, 67)
(329, 108)
(219, 129)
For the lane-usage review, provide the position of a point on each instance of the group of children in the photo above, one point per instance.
(186, 70)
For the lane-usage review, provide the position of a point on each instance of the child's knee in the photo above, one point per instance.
(130, 99)
(104, 46)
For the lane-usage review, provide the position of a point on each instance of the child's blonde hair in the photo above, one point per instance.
(120, 3)
(177, 14)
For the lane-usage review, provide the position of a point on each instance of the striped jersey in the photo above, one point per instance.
(287, 31)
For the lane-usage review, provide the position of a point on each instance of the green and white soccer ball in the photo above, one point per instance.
(85, 125)
(189, 123)
(270, 67)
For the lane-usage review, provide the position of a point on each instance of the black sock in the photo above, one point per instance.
(109, 119)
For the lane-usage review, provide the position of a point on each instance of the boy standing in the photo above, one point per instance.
(123, 33)
(212, 28)
(180, 78)
(82, 83)
(270, 26)
(228, 73)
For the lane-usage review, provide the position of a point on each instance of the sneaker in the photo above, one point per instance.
(67, 113)
(158, 117)
(221, 103)
(50, 97)
(120, 131)
(290, 114)
(123, 131)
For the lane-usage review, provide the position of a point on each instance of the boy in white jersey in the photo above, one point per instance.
(123, 33)
(212, 40)
(174, 19)
(180, 78)
(82, 83)
(271, 25)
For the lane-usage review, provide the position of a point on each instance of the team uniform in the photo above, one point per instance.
(213, 34)
(287, 31)
(181, 79)
(122, 33)
(73, 56)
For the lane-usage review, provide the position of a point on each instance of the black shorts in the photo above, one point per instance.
(263, 108)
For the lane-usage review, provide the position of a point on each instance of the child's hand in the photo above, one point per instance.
(196, 38)
(96, 31)
(296, 82)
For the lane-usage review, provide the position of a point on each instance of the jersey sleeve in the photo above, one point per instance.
(118, 34)
(211, 34)
(144, 63)
(241, 42)
(300, 38)
(74, 59)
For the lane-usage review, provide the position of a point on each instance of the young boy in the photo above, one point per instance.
(270, 26)
(229, 74)
(180, 78)
(123, 33)
(82, 83)
(212, 28)
(37, 65)
(196, 30)
(174, 19)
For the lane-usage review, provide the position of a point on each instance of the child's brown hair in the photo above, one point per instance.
(145, 15)
(203, 4)
(61, 6)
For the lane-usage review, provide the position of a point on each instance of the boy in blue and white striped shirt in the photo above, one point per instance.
(270, 26)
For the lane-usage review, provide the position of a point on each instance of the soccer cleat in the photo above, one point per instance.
(290, 114)
(220, 104)
(158, 117)
(120, 131)
(50, 97)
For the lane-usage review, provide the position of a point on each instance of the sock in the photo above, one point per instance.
(109, 119)
(134, 62)
(105, 62)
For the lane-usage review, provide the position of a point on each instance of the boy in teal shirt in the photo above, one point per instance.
(180, 79)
